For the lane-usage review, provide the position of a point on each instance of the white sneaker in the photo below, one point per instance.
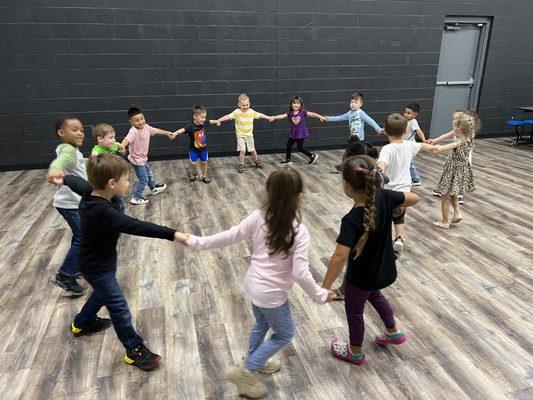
(140, 200)
(398, 244)
(248, 383)
(416, 183)
(157, 189)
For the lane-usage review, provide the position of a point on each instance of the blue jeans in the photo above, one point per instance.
(414, 172)
(144, 173)
(70, 264)
(279, 319)
(106, 292)
(122, 206)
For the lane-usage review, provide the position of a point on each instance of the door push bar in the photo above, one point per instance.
(469, 82)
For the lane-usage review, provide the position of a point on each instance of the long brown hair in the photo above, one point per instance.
(361, 174)
(281, 208)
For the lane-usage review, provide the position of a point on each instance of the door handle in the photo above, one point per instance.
(469, 82)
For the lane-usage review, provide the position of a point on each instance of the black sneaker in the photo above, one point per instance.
(205, 179)
(193, 176)
(99, 324)
(142, 358)
(313, 159)
(240, 170)
(286, 162)
(70, 285)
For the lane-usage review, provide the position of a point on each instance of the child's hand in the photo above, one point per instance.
(55, 177)
(436, 149)
(217, 122)
(429, 141)
(271, 119)
(181, 238)
(331, 295)
(398, 211)
(382, 132)
(323, 119)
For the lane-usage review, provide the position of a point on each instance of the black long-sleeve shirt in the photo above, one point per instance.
(101, 225)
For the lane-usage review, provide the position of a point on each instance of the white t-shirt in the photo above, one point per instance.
(398, 157)
(410, 132)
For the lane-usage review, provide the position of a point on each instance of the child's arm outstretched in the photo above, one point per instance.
(115, 221)
(317, 116)
(227, 117)
(214, 122)
(300, 270)
(439, 149)
(427, 147)
(279, 116)
(66, 159)
(336, 118)
(370, 121)
(180, 131)
(444, 136)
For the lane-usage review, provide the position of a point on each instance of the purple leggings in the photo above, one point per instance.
(354, 303)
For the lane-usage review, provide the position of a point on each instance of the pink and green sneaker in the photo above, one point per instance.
(386, 339)
(341, 350)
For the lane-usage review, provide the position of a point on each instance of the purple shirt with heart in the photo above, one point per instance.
(297, 121)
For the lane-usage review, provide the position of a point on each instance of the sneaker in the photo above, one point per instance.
(341, 350)
(286, 162)
(435, 192)
(99, 324)
(461, 199)
(416, 183)
(248, 383)
(398, 244)
(259, 164)
(240, 170)
(205, 179)
(142, 358)
(140, 200)
(313, 159)
(386, 339)
(70, 285)
(157, 189)
(271, 366)
(193, 176)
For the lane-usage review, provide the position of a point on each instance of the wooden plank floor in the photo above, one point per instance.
(463, 296)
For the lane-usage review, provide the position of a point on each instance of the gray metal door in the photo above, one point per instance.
(461, 61)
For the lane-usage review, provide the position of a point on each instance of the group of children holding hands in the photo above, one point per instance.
(90, 197)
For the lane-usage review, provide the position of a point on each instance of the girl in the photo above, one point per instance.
(365, 241)
(279, 258)
(296, 115)
(457, 178)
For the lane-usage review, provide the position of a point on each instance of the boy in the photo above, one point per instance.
(101, 225)
(138, 139)
(69, 161)
(395, 159)
(244, 127)
(356, 147)
(104, 134)
(198, 141)
(356, 117)
(410, 113)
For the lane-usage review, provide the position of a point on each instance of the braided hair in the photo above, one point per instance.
(360, 174)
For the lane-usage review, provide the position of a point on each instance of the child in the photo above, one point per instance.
(457, 177)
(395, 159)
(138, 139)
(356, 147)
(365, 242)
(69, 161)
(101, 225)
(410, 113)
(244, 127)
(451, 135)
(356, 117)
(297, 115)
(198, 141)
(280, 258)
(104, 135)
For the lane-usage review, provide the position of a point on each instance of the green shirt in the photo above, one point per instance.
(104, 150)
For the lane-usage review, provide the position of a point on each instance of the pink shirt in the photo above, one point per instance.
(139, 143)
(269, 278)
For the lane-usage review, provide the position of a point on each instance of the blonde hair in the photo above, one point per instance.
(101, 130)
(243, 96)
(465, 125)
(474, 115)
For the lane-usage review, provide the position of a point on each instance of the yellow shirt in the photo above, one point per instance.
(244, 121)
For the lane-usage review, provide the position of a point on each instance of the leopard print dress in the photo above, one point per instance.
(457, 177)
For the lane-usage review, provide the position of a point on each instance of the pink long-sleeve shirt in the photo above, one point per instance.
(269, 278)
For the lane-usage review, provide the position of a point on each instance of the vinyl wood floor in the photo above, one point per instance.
(464, 296)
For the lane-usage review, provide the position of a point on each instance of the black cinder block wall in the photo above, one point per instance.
(95, 58)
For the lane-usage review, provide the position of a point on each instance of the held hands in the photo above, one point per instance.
(270, 119)
(55, 177)
(436, 149)
(121, 149)
(181, 237)
(382, 132)
(429, 141)
(331, 296)
(323, 119)
(216, 122)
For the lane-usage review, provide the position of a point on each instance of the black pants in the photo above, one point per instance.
(301, 148)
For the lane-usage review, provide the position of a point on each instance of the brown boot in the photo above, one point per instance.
(248, 383)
